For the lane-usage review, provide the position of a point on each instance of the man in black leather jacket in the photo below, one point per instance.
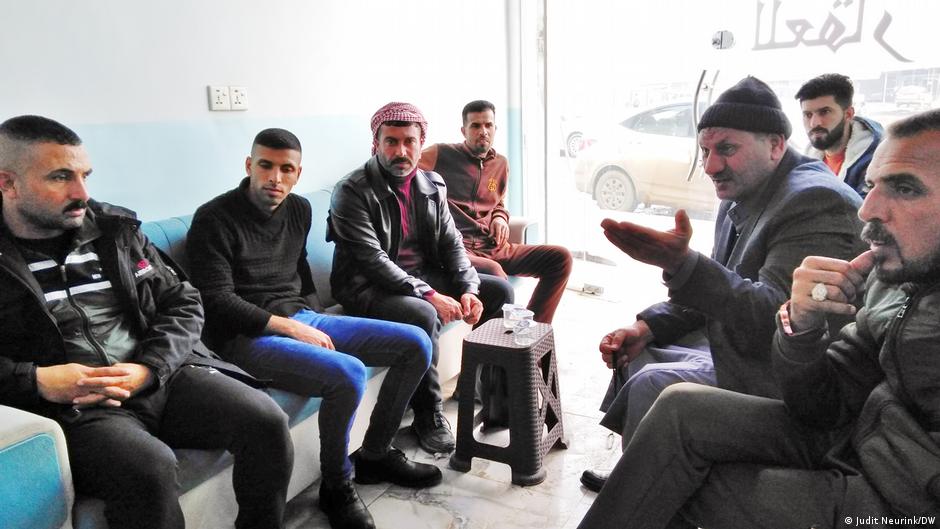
(98, 332)
(399, 256)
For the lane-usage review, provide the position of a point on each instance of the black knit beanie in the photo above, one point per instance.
(749, 105)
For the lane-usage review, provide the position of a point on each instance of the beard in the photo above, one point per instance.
(925, 269)
(831, 138)
(41, 218)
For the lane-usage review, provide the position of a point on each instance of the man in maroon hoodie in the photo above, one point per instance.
(476, 178)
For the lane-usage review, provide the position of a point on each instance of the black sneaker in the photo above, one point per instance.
(344, 507)
(433, 431)
(594, 479)
(396, 468)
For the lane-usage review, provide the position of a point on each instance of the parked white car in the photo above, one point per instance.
(646, 159)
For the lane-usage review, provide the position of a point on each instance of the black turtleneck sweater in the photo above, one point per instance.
(249, 264)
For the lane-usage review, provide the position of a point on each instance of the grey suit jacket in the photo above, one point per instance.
(802, 210)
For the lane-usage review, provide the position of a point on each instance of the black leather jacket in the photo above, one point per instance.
(164, 310)
(365, 223)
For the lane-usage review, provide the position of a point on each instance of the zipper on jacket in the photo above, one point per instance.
(892, 334)
(86, 324)
(473, 198)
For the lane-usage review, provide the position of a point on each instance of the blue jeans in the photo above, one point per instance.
(339, 377)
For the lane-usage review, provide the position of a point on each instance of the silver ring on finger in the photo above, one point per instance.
(819, 292)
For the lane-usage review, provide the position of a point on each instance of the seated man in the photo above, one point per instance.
(98, 333)
(248, 253)
(477, 178)
(399, 256)
(854, 444)
(837, 136)
(777, 207)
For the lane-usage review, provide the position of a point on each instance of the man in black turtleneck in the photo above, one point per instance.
(399, 256)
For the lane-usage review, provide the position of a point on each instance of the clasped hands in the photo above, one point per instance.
(468, 309)
(84, 386)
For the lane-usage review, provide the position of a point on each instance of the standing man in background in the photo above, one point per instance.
(844, 141)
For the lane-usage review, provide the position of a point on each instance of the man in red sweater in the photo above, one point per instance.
(476, 178)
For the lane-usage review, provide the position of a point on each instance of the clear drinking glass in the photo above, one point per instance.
(509, 316)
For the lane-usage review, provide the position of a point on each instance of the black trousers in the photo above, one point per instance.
(494, 292)
(124, 455)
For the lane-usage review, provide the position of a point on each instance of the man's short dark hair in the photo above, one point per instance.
(38, 129)
(928, 121)
(480, 105)
(278, 139)
(829, 84)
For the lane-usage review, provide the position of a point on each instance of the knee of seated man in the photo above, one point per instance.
(684, 399)
(489, 267)
(498, 291)
(421, 314)
(263, 417)
(149, 475)
(422, 348)
(349, 374)
(563, 259)
(655, 378)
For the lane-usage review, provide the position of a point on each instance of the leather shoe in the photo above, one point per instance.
(594, 480)
(343, 506)
(433, 431)
(396, 468)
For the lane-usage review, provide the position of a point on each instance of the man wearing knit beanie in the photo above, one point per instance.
(399, 256)
(716, 327)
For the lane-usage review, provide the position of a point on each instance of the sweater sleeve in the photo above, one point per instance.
(210, 247)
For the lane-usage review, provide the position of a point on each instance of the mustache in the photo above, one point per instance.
(820, 129)
(400, 160)
(875, 231)
(724, 174)
(76, 204)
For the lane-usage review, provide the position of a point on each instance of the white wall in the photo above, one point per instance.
(130, 77)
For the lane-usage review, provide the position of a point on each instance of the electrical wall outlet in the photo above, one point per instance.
(219, 98)
(239, 96)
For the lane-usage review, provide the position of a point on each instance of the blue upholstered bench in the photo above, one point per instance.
(35, 479)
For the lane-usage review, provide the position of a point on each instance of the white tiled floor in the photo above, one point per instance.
(484, 498)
